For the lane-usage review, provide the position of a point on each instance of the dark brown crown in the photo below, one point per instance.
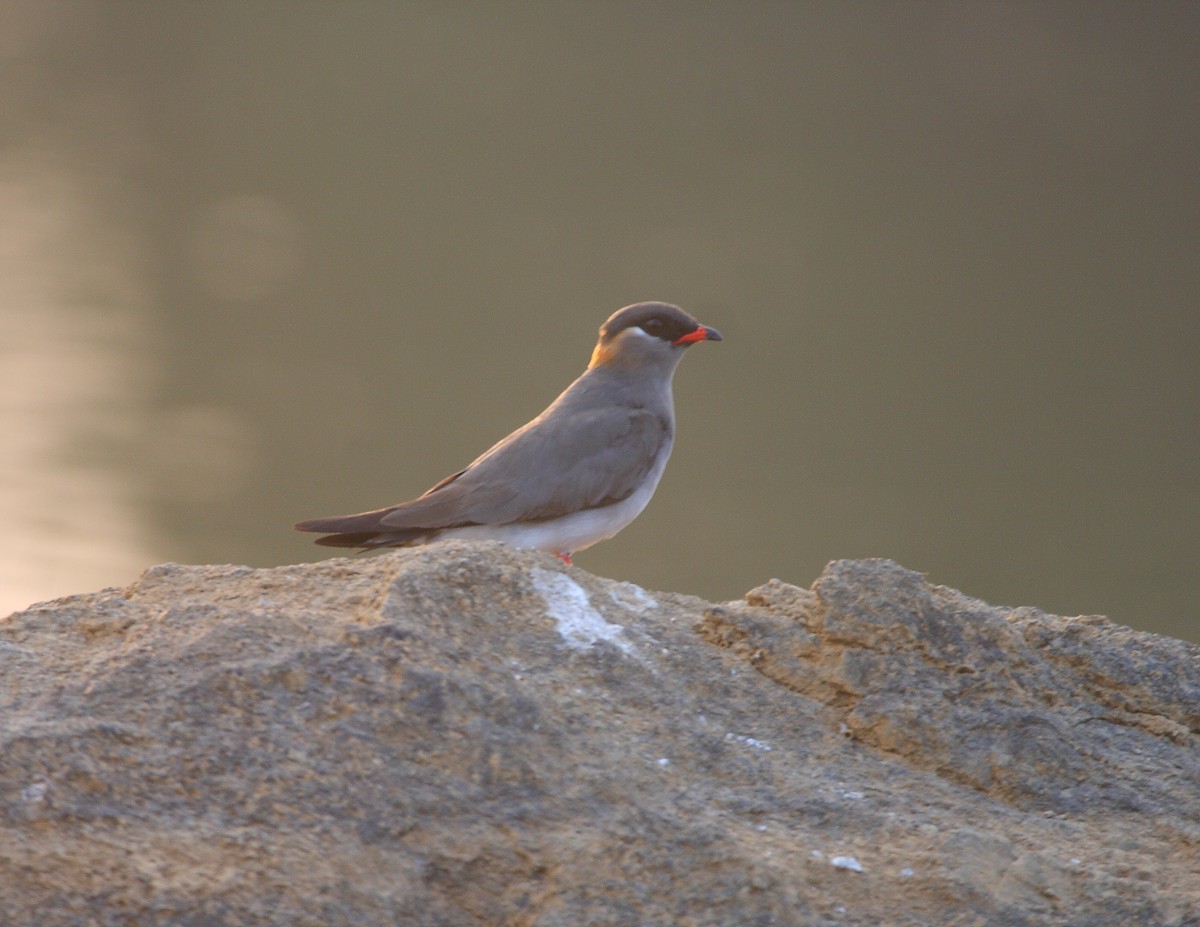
(661, 320)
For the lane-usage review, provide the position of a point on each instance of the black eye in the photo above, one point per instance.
(653, 326)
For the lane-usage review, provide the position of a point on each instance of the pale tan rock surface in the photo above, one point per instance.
(470, 734)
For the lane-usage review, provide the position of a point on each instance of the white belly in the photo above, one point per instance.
(574, 532)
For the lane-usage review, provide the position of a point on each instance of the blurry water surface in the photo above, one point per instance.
(262, 262)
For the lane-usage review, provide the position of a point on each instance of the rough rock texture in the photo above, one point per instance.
(469, 734)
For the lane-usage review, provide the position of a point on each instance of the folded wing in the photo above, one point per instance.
(587, 459)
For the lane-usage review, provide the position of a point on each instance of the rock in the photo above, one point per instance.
(471, 734)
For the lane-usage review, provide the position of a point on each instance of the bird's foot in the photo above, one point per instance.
(566, 558)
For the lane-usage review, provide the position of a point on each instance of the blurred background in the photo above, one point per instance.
(269, 261)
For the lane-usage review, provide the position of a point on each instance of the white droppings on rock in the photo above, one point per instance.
(749, 741)
(846, 862)
(631, 596)
(580, 625)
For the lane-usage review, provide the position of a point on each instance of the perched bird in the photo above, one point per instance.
(577, 474)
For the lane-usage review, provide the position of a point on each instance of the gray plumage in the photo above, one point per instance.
(594, 448)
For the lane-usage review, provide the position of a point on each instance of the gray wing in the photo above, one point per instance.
(561, 462)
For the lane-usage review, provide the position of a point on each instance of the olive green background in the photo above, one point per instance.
(270, 261)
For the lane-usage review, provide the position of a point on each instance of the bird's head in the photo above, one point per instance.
(648, 335)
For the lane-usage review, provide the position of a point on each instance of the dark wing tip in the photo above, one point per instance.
(361, 539)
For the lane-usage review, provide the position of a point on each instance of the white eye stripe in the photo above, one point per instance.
(641, 333)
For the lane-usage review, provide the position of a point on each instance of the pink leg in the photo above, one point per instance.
(566, 558)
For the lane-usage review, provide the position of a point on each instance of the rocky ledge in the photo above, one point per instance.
(470, 734)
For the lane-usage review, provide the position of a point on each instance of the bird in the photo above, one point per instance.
(573, 476)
